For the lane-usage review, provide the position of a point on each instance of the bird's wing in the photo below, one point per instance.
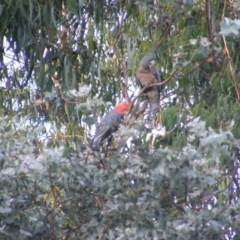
(107, 126)
(145, 77)
(108, 121)
(156, 74)
(157, 78)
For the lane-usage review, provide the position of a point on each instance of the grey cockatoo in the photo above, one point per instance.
(147, 74)
(109, 123)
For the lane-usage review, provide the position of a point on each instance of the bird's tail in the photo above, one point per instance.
(153, 96)
(95, 142)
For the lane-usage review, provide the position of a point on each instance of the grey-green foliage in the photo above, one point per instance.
(57, 193)
(230, 27)
(59, 188)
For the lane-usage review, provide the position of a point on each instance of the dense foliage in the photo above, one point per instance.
(169, 175)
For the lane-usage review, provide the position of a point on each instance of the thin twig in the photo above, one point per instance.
(230, 61)
(53, 191)
(95, 194)
(164, 35)
(192, 70)
(39, 212)
(180, 208)
(103, 231)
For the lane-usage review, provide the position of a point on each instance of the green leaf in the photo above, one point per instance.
(25, 233)
(170, 118)
(1, 9)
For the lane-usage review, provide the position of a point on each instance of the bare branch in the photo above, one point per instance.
(164, 35)
(230, 63)
(211, 25)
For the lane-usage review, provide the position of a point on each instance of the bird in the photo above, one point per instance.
(146, 75)
(109, 124)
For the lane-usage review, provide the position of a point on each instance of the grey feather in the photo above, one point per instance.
(107, 126)
(148, 74)
(151, 55)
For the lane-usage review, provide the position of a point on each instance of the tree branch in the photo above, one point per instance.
(211, 25)
(235, 83)
(164, 35)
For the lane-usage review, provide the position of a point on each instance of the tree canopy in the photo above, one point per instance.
(169, 175)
